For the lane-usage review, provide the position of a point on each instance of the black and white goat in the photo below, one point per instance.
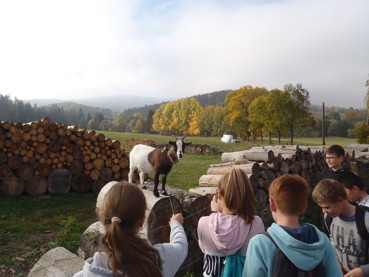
(147, 159)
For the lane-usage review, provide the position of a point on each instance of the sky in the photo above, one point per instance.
(173, 49)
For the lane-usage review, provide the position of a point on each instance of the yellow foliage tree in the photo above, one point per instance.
(237, 103)
(179, 117)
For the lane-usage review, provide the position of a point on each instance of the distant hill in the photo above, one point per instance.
(85, 109)
(116, 103)
(125, 104)
(214, 98)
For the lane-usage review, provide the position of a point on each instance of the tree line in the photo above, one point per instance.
(247, 113)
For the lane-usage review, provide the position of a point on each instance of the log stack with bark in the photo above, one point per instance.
(264, 164)
(43, 156)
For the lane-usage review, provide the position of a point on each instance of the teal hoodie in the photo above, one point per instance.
(261, 252)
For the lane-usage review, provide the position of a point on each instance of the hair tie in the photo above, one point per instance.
(116, 219)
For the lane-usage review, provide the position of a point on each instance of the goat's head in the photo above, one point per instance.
(179, 146)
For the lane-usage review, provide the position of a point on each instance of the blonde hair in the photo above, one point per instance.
(128, 253)
(329, 190)
(290, 193)
(238, 195)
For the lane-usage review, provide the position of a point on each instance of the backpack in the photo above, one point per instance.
(283, 267)
(233, 265)
(360, 211)
(359, 219)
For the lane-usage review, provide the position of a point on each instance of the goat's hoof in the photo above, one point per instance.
(144, 187)
(156, 193)
(163, 192)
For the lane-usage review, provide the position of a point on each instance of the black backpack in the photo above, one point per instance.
(360, 211)
(283, 267)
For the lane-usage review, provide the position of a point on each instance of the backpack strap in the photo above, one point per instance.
(270, 237)
(360, 211)
(360, 221)
(327, 223)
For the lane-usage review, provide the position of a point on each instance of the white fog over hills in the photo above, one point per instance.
(117, 103)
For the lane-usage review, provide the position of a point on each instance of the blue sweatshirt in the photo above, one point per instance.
(305, 246)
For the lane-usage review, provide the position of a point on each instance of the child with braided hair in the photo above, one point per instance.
(124, 252)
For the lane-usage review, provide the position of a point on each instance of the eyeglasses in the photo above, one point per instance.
(330, 158)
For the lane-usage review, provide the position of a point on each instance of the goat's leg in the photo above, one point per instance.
(163, 181)
(130, 174)
(156, 184)
(142, 179)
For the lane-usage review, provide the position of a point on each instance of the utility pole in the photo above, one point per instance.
(367, 100)
(323, 126)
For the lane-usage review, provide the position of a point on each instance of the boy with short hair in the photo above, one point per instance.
(303, 244)
(334, 157)
(351, 249)
(354, 188)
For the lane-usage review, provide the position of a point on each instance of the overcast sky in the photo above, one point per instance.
(174, 49)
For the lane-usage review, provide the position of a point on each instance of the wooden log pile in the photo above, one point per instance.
(129, 143)
(43, 156)
(193, 148)
(264, 164)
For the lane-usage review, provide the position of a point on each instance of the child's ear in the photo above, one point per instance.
(141, 222)
(304, 209)
(355, 188)
(340, 200)
(272, 205)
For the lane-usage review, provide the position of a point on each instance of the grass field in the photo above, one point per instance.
(30, 226)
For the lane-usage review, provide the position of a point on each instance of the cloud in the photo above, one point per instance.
(74, 49)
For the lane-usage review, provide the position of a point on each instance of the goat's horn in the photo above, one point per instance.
(184, 137)
(174, 137)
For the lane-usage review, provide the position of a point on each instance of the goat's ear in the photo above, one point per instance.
(172, 142)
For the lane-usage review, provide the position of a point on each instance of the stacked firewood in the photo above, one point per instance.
(193, 148)
(129, 143)
(264, 164)
(43, 156)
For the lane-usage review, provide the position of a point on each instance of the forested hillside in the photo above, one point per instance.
(247, 113)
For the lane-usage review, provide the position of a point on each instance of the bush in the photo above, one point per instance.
(362, 133)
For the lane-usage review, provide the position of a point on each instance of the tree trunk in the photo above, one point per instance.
(36, 186)
(265, 156)
(59, 181)
(5, 171)
(81, 183)
(13, 186)
(251, 168)
(25, 172)
(98, 185)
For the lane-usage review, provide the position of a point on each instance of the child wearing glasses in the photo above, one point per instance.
(334, 158)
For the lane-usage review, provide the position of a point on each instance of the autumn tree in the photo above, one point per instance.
(351, 116)
(275, 107)
(180, 117)
(211, 121)
(149, 121)
(362, 133)
(237, 108)
(136, 123)
(338, 128)
(259, 118)
(295, 108)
